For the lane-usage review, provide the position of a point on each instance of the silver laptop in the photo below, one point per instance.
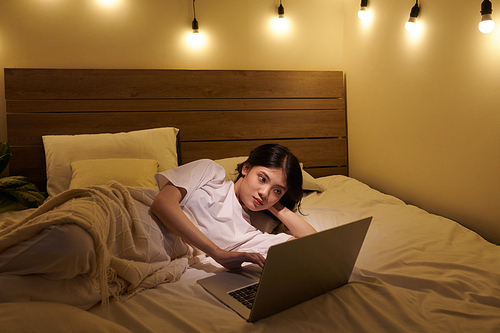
(294, 272)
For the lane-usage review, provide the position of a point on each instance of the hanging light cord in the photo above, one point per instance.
(415, 9)
(194, 24)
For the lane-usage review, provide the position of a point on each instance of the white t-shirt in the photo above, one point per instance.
(211, 204)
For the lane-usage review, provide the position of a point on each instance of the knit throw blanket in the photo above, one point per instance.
(133, 251)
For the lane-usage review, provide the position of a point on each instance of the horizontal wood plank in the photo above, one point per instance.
(311, 152)
(23, 84)
(27, 129)
(323, 172)
(216, 104)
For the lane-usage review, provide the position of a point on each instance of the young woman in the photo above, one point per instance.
(209, 213)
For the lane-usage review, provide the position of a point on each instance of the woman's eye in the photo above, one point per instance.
(262, 179)
(278, 192)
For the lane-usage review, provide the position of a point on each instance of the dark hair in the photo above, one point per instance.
(275, 156)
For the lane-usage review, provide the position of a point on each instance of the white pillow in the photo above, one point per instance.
(230, 164)
(61, 150)
(127, 171)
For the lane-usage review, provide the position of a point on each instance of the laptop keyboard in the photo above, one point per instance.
(245, 295)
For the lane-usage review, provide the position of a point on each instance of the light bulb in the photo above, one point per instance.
(195, 40)
(280, 24)
(363, 13)
(411, 25)
(487, 24)
(363, 10)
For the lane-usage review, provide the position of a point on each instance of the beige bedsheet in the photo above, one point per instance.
(416, 272)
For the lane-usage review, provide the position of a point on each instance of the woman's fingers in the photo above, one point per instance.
(259, 259)
(232, 260)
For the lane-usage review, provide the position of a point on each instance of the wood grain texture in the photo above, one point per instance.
(220, 113)
(326, 152)
(23, 84)
(173, 104)
(27, 128)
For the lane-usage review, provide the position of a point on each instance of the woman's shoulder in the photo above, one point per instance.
(199, 168)
(206, 167)
(204, 163)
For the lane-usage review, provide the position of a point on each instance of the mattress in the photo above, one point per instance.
(416, 272)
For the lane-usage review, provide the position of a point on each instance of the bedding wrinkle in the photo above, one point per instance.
(129, 256)
(416, 272)
(44, 257)
(384, 306)
(415, 306)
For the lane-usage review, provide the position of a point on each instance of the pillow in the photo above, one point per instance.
(127, 171)
(61, 150)
(309, 183)
(230, 164)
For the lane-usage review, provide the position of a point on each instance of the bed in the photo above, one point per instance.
(416, 272)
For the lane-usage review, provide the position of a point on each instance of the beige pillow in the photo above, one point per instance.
(127, 171)
(229, 164)
(158, 144)
(309, 183)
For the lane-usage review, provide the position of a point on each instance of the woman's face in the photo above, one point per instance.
(260, 187)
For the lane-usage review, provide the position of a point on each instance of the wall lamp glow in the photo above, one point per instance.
(280, 24)
(487, 24)
(195, 39)
(411, 25)
(363, 10)
(109, 2)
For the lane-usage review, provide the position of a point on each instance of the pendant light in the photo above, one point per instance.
(280, 24)
(487, 24)
(195, 39)
(194, 24)
(412, 21)
(363, 10)
(281, 11)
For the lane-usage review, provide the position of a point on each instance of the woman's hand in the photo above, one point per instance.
(232, 260)
(166, 207)
(297, 225)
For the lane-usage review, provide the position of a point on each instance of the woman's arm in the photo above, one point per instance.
(297, 225)
(166, 207)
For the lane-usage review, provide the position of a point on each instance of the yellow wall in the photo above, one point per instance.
(151, 34)
(424, 112)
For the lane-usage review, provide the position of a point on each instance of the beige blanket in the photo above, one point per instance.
(144, 254)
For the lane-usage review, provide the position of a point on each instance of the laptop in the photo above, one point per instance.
(294, 272)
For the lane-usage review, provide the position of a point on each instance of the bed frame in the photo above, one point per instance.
(220, 113)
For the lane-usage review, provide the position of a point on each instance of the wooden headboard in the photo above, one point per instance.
(220, 113)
